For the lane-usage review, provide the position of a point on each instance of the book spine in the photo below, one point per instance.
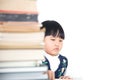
(27, 73)
(18, 5)
(22, 45)
(20, 27)
(23, 37)
(22, 63)
(24, 76)
(21, 55)
(18, 17)
(23, 69)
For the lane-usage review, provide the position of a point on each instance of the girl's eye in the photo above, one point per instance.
(53, 39)
(60, 40)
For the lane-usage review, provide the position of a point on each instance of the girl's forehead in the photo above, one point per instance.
(51, 36)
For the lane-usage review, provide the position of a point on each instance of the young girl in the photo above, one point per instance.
(53, 39)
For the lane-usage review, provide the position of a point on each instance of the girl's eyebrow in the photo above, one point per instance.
(52, 36)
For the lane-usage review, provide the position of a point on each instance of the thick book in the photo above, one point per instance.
(21, 27)
(19, 40)
(18, 5)
(28, 73)
(21, 55)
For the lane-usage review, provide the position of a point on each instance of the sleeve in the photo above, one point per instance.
(46, 62)
(64, 64)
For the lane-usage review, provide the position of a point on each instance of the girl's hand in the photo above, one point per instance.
(65, 78)
(51, 75)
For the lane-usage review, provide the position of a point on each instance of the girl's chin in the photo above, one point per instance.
(55, 54)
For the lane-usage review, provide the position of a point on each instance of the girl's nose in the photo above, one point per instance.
(57, 43)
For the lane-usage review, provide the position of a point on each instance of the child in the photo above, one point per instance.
(53, 39)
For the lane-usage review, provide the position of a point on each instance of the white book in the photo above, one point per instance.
(21, 55)
(22, 37)
(23, 69)
(30, 63)
(21, 40)
(24, 76)
(28, 73)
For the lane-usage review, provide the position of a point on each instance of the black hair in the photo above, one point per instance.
(53, 28)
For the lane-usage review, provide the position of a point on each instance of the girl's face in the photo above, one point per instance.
(53, 45)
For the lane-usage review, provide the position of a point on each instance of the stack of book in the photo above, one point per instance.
(21, 41)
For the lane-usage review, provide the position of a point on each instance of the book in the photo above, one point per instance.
(21, 63)
(28, 73)
(18, 5)
(21, 40)
(22, 45)
(21, 55)
(18, 17)
(17, 37)
(23, 37)
(23, 69)
(22, 27)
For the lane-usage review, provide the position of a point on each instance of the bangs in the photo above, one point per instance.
(55, 33)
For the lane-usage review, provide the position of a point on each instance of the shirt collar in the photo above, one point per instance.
(49, 56)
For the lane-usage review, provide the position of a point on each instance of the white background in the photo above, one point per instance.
(92, 29)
